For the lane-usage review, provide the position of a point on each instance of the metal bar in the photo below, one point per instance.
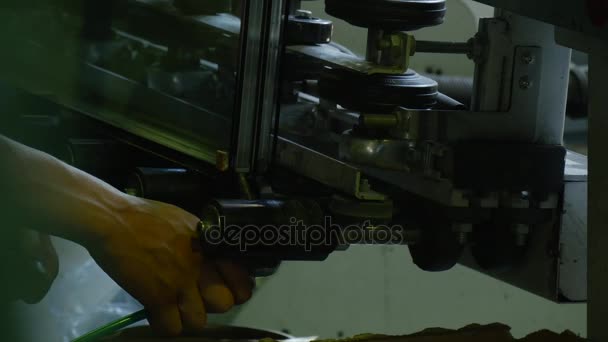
(249, 91)
(598, 197)
(270, 105)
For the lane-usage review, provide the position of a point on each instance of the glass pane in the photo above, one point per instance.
(166, 70)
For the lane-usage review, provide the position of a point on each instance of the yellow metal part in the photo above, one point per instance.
(400, 47)
(222, 160)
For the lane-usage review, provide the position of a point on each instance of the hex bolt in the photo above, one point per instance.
(525, 82)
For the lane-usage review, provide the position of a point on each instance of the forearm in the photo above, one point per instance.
(58, 199)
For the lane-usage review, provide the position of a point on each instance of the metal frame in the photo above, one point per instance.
(258, 101)
(585, 28)
(270, 107)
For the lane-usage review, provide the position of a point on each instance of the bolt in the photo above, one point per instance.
(303, 14)
(527, 59)
(525, 83)
(222, 160)
(463, 231)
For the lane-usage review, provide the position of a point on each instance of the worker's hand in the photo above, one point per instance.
(150, 254)
(30, 265)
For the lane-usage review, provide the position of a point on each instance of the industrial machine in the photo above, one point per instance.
(291, 147)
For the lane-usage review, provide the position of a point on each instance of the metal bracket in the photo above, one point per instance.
(400, 45)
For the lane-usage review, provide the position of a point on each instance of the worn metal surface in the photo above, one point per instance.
(324, 169)
(522, 54)
(573, 235)
(555, 265)
(389, 154)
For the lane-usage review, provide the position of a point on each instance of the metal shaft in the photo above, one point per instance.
(443, 47)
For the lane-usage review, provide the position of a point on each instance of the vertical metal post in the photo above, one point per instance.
(259, 79)
(598, 198)
(373, 37)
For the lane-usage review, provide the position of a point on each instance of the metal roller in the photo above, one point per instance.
(397, 15)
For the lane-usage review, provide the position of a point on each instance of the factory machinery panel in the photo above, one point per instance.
(248, 114)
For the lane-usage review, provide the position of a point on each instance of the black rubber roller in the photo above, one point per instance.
(392, 15)
(378, 92)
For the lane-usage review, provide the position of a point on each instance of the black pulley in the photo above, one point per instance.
(378, 92)
(304, 28)
(396, 15)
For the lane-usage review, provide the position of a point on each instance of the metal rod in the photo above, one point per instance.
(378, 120)
(443, 47)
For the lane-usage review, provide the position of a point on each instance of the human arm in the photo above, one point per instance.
(145, 246)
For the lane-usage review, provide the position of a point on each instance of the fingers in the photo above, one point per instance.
(216, 295)
(192, 309)
(237, 279)
(165, 320)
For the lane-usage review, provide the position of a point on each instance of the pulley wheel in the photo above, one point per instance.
(378, 92)
(395, 15)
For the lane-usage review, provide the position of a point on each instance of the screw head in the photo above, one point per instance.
(528, 58)
(303, 14)
(525, 82)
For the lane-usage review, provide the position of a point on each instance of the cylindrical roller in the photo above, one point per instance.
(395, 15)
(378, 92)
(265, 230)
(106, 159)
(172, 185)
(439, 248)
(304, 28)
